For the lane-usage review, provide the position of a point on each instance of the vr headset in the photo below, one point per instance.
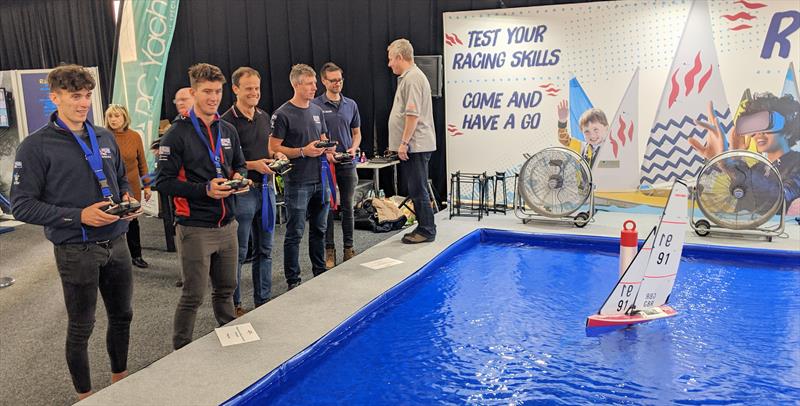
(763, 121)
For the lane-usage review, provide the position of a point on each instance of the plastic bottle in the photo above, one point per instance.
(628, 243)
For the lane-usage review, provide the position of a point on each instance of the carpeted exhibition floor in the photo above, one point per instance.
(33, 320)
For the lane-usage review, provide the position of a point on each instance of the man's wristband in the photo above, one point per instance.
(562, 124)
(404, 143)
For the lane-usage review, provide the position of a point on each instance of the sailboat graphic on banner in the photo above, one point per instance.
(790, 84)
(616, 168)
(693, 82)
(578, 103)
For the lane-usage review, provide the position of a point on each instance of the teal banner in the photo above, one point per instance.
(146, 29)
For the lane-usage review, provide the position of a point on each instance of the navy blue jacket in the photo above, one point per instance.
(184, 169)
(53, 182)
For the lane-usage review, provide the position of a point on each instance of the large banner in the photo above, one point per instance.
(657, 70)
(146, 30)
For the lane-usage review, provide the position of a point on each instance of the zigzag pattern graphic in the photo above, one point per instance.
(686, 174)
(673, 141)
(685, 119)
(660, 158)
(669, 155)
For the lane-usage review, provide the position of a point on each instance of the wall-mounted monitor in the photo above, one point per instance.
(431, 66)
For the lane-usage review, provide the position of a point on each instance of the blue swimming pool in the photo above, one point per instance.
(498, 318)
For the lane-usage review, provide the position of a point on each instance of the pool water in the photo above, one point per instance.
(502, 321)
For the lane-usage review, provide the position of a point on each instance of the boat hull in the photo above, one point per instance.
(615, 320)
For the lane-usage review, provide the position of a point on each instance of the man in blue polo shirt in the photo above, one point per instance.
(66, 174)
(297, 128)
(344, 126)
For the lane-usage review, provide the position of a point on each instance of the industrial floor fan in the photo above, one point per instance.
(553, 185)
(739, 192)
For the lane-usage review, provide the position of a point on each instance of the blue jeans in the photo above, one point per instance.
(304, 201)
(415, 172)
(248, 215)
(346, 179)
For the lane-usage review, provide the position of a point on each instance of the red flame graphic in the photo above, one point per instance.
(741, 27)
(751, 6)
(705, 79)
(688, 80)
(614, 146)
(742, 15)
(630, 131)
(673, 93)
(621, 132)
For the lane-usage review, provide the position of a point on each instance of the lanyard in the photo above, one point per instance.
(267, 212)
(92, 156)
(213, 153)
(327, 179)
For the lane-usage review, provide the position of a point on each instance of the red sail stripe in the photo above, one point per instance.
(688, 80)
(673, 93)
(458, 39)
(614, 146)
(547, 85)
(741, 27)
(448, 36)
(553, 90)
(742, 15)
(751, 6)
(630, 131)
(621, 131)
(705, 79)
(458, 133)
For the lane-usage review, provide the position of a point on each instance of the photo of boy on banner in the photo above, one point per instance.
(594, 126)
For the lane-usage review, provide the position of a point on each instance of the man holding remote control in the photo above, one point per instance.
(258, 204)
(344, 126)
(298, 131)
(201, 165)
(69, 177)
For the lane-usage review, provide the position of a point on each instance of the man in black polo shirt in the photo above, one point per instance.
(344, 126)
(255, 210)
(297, 126)
(65, 176)
(198, 154)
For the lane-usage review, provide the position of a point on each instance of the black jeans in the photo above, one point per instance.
(83, 269)
(134, 241)
(346, 179)
(415, 172)
(304, 201)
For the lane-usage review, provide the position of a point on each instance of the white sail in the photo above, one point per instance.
(622, 297)
(616, 168)
(693, 81)
(662, 267)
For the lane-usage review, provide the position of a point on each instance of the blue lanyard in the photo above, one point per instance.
(267, 214)
(327, 179)
(92, 156)
(214, 154)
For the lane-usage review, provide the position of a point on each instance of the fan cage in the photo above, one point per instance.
(739, 190)
(555, 182)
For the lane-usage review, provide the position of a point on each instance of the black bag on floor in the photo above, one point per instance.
(366, 218)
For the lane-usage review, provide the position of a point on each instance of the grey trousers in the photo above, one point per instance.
(204, 253)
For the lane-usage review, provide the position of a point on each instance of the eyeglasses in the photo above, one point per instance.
(339, 80)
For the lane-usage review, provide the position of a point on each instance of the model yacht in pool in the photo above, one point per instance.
(642, 292)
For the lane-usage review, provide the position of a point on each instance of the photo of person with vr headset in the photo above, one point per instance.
(773, 124)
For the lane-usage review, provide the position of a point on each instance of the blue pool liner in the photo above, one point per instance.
(278, 376)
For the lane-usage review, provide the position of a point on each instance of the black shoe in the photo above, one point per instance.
(179, 283)
(415, 238)
(293, 285)
(139, 262)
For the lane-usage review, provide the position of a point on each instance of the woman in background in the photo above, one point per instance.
(130, 146)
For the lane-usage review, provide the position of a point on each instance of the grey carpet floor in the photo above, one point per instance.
(33, 320)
